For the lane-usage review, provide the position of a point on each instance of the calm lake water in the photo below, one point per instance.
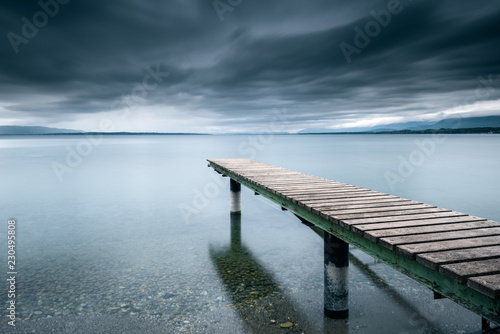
(134, 232)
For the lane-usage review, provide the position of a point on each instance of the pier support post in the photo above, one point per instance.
(235, 194)
(336, 259)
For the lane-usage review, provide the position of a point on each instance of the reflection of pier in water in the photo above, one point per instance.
(260, 301)
(241, 273)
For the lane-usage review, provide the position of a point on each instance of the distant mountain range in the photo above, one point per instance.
(449, 123)
(32, 130)
(474, 123)
(42, 130)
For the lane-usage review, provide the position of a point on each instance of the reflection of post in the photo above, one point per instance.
(336, 252)
(335, 326)
(235, 232)
(235, 197)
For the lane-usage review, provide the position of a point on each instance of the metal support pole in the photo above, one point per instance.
(235, 197)
(336, 252)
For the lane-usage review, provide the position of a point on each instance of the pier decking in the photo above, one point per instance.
(454, 254)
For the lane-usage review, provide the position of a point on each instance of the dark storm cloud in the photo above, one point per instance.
(89, 57)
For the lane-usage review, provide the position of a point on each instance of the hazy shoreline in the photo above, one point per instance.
(489, 130)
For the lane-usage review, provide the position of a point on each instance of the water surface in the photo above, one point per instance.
(136, 230)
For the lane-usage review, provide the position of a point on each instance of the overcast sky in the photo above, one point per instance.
(241, 65)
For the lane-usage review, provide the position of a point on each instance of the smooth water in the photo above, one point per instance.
(133, 233)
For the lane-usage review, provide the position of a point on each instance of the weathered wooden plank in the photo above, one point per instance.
(294, 183)
(488, 285)
(319, 188)
(391, 242)
(385, 209)
(306, 183)
(255, 180)
(455, 218)
(234, 160)
(334, 206)
(436, 259)
(306, 177)
(295, 175)
(337, 198)
(407, 219)
(426, 247)
(280, 184)
(407, 212)
(266, 173)
(462, 271)
(333, 196)
(352, 201)
(262, 170)
(374, 235)
(324, 190)
(320, 209)
(318, 197)
(237, 168)
(330, 196)
(240, 162)
(327, 195)
(285, 178)
(300, 187)
(240, 169)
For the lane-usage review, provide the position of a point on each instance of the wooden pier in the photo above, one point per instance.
(454, 254)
